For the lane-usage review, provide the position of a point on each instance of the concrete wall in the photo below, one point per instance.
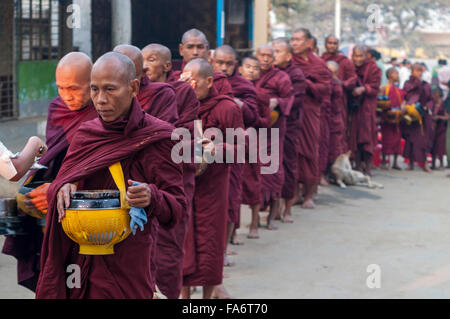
(121, 22)
(261, 22)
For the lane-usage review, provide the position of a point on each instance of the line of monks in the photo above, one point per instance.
(125, 107)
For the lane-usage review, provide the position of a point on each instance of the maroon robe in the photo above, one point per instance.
(211, 196)
(172, 243)
(251, 176)
(390, 132)
(143, 146)
(337, 122)
(62, 123)
(418, 140)
(293, 123)
(158, 100)
(275, 83)
(318, 92)
(244, 90)
(440, 133)
(346, 73)
(363, 128)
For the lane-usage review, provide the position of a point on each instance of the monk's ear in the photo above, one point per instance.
(134, 84)
(180, 49)
(167, 66)
(289, 56)
(210, 81)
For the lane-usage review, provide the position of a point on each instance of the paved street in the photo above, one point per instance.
(403, 228)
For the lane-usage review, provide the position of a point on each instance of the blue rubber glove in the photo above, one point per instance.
(138, 217)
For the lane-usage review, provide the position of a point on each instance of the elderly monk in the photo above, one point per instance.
(274, 89)
(251, 177)
(66, 113)
(363, 116)
(337, 119)
(283, 60)
(418, 137)
(157, 99)
(142, 144)
(390, 132)
(172, 243)
(212, 187)
(318, 92)
(194, 44)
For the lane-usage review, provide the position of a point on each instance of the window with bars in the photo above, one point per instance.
(40, 29)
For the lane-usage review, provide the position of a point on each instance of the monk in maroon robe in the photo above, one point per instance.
(172, 243)
(440, 118)
(142, 144)
(65, 114)
(390, 132)
(337, 119)
(194, 44)
(363, 116)
(157, 99)
(283, 60)
(418, 138)
(251, 177)
(318, 92)
(274, 88)
(212, 187)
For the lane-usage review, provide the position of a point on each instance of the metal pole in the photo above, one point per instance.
(337, 19)
(220, 34)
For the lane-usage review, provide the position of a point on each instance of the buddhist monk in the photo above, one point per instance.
(418, 136)
(142, 145)
(274, 88)
(172, 243)
(251, 177)
(194, 44)
(157, 99)
(363, 115)
(66, 113)
(346, 71)
(318, 90)
(282, 52)
(337, 120)
(212, 187)
(440, 118)
(390, 131)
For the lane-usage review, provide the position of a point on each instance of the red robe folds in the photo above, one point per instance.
(337, 121)
(390, 132)
(275, 84)
(318, 92)
(418, 140)
(440, 133)
(245, 91)
(363, 129)
(172, 243)
(158, 100)
(62, 123)
(211, 196)
(293, 123)
(143, 146)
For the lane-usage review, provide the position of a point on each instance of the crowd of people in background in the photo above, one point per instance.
(123, 108)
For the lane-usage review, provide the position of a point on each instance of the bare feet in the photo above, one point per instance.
(220, 293)
(287, 218)
(228, 262)
(323, 181)
(271, 226)
(426, 168)
(231, 252)
(309, 204)
(253, 233)
(235, 240)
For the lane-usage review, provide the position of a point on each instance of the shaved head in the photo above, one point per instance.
(333, 67)
(264, 47)
(162, 51)
(134, 54)
(203, 68)
(113, 85)
(194, 33)
(224, 60)
(225, 49)
(264, 54)
(283, 42)
(73, 76)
